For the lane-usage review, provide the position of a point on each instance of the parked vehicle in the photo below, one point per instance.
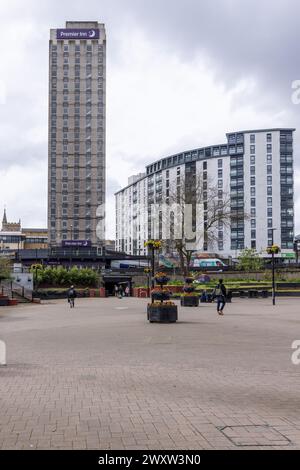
(210, 264)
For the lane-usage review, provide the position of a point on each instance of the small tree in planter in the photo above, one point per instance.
(161, 310)
(189, 298)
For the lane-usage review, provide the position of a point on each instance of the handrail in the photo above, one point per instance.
(10, 288)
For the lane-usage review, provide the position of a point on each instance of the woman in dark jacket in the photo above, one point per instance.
(220, 294)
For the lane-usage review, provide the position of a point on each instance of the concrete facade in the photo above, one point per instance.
(253, 171)
(77, 103)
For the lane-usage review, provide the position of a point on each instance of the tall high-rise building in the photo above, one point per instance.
(250, 177)
(76, 168)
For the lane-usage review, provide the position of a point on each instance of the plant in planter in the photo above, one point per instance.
(189, 297)
(161, 309)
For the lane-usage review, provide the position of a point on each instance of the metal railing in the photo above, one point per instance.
(13, 290)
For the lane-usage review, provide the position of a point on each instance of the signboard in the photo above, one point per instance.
(288, 255)
(77, 34)
(76, 243)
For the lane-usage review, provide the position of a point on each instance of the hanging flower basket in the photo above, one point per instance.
(154, 244)
(274, 249)
(161, 279)
(189, 298)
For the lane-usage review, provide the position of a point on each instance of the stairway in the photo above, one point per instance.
(14, 291)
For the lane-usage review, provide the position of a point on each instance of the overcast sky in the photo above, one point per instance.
(180, 74)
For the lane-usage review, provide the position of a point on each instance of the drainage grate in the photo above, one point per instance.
(254, 435)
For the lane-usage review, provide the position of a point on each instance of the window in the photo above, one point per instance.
(269, 212)
(270, 233)
(270, 223)
(252, 138)
(253, 244)
(269, 190)
(269, 201)
(252, 149)
(269, 180)
(269, 148)
(204, 165)
(253, 223)
(252, 159)
(269, 137)
(220, 173)
(252, 202)
(252, 191)
(253, 212)
(220, 183)
(252, 170)
(252, 181)
(269, 158)
(269, 169)
(220, 163)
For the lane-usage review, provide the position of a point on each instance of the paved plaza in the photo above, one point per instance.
(101, 377)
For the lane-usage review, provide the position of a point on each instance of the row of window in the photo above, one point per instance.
(83, 46)
(253, 137)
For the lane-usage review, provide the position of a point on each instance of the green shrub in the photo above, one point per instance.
(63, 277)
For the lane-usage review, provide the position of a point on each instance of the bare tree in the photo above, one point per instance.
(203, 210)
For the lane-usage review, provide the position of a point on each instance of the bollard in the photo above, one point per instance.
(2, 353)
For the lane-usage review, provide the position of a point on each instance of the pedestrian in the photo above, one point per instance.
(121, 292)
(220, 294)
(203, 297)
(116, 290)
(72, 294)
(127, 290)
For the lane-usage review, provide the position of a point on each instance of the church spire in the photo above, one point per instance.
(4, 220)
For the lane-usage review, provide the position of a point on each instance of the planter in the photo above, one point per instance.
(162, 313)
(189, 301)
(12, 302)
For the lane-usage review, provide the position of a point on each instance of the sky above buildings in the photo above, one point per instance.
(180, 74)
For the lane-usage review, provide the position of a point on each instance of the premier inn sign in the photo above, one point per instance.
(77, 34)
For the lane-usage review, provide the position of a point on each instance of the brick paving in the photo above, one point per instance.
(101, 377)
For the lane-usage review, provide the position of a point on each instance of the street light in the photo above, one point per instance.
(71, 248)
(273, 268)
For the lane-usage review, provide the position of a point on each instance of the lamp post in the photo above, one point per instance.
(71, 248)
(153, 245)
(273, 268)
(296, 241)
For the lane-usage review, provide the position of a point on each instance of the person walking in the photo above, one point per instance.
(71, 296)
(127, 290)
(116, 290)
(220, 294)
(121, 292)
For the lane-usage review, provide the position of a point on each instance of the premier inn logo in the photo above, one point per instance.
(77, 33)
